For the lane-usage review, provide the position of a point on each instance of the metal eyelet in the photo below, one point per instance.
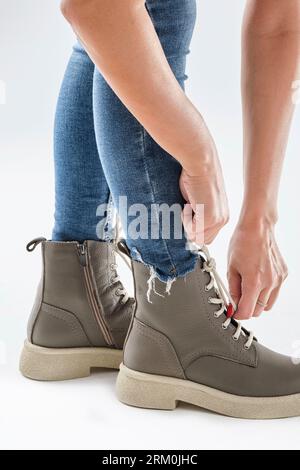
(224, 327)
(246, 348)
(216, 315)
(206, 289)
(209, 300)
(235, 338)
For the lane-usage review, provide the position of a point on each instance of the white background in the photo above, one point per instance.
(35, 45)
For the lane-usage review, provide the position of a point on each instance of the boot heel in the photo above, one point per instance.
(46, 364)
(144, 390)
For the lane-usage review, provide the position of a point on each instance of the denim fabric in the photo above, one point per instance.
(101, 149)
(80, 184)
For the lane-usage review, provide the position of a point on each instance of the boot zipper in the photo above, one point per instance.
(84, 261)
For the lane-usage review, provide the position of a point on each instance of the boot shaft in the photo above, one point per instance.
(78, 303)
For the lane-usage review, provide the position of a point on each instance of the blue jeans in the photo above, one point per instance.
(103, 153)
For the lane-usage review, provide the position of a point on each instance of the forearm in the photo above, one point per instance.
(270, 65)
(121, 40)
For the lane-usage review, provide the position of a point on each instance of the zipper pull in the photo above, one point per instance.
(82, 253)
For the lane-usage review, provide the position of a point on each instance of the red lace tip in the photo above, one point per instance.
(230, 311)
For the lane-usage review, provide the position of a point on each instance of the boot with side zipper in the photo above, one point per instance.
(186, 347)
(81, 314)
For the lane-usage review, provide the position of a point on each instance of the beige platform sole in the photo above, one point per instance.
(63, 364)
(164, 393)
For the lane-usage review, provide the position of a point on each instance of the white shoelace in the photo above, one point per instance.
(209, 265)
(224, 298)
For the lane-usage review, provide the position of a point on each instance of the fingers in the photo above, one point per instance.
(193, 226)
(196, 230)
(234, 282)
(248, 301)
(273, 297)
(211, 231)
(260, 289)
(249, 307)
(210, 235)
(257, 260)
(262, 302)
(187, 221)
(269, 297)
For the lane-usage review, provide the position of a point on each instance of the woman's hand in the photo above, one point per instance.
(207, 189)
(256, 269)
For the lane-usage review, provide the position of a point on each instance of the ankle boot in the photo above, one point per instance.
(81, 313)
(184, 347)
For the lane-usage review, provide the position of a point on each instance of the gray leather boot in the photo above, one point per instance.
(81, 313)
(182, 347)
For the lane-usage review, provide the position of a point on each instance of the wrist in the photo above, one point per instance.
(259, 205)
(202, 164)
(257, 219)
(202, 170)
(201, 156)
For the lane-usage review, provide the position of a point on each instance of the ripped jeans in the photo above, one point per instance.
(103, 155)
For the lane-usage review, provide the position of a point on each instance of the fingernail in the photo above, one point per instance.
(230, 311)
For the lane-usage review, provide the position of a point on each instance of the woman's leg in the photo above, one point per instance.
(80, 184)
(81, 307)
(134, 165)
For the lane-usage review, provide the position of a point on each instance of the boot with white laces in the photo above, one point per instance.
(185, 347)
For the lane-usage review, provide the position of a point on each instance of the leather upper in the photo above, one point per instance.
(198, 348)
(62, 315)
